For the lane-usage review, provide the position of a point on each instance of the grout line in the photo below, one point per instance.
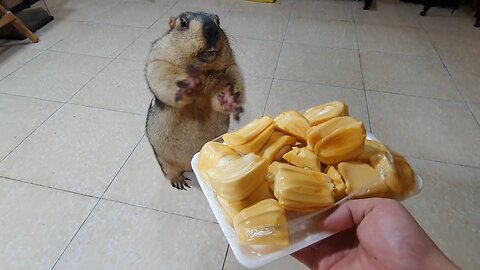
(225, 257)
(58, 109)
(443, 162)
(121, 167)
(93, 208)
(49, 187)
(158, 210)
(107, 109)
(320, 84)
(161, 17)
(278, 61)
(450, 74)
(78, 54)
(30, 134)
(361, 70)
(417, 96)
(24, 64)
(75, 234)
(29, 97)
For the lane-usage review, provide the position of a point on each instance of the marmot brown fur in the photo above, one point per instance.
(196, 85)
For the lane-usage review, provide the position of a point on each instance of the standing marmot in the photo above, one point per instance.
(196, 84)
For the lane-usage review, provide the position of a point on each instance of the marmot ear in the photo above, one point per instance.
(217, 19)
(172, 22)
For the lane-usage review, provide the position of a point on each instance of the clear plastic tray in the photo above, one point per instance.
(304, 228)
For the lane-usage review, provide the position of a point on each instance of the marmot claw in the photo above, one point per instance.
(180, 182)
(229, 101)
(190, 85)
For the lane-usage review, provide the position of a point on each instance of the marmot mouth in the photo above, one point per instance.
(207, 56)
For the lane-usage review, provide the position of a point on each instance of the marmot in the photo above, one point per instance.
(196, 85)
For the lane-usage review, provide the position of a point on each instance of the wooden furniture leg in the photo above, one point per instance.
(9, 18)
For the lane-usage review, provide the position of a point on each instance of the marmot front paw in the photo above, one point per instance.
(229, 101)
(180, 182)
(189, 86)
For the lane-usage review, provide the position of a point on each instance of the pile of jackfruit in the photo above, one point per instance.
(298, 162)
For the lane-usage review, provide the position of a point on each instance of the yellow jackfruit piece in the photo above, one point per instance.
(272, 169)
(362, 180)
(302, 189)
(248, 132)
(339, 186)
(256, 143)
(303, 158)
(237, 179)
(371, 148)
(263, 223)
(293, 123)
(211, 154)
(231, 208)
(406, 176)
(277, 145)
(325, 112)
(338, 139)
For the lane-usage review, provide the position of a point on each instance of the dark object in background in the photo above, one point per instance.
(32, 18)
(453, 4)
(367, 5)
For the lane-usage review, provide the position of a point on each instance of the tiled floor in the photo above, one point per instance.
(79, 185)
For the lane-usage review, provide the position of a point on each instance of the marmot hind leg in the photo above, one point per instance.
(174, 173)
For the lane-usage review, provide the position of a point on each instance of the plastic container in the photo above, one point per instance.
(304, 228)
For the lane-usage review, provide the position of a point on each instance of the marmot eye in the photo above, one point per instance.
(183, 22)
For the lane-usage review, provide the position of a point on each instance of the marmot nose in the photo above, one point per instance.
(210, 30)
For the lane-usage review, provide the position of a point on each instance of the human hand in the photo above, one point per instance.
(375, 234)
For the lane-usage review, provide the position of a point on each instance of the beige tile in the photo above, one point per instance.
(37, 223)
(118, 236)
(99, 40)
(475, 108)
(141, 182)
(408, 74)
(387, 13)
(393, 39)
(248, 25)
(140, 49)
(14, 57)
(285, 263)
(18, 117)
(80, 10)
(466, 74)
(133, 14)
(205, 5)
(53, 76)
(256, 98)
(78, 149)
(458, 47)
(287, 95)
(331, 10)
(321, 32)
(279, 8)
(256, 57)
(424, 128)
(56, 31)
(446, 209)
(120, 86)
(333, 66)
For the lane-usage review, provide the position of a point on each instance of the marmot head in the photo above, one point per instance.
(199, 34)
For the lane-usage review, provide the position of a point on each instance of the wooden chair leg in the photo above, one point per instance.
(18, 24)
